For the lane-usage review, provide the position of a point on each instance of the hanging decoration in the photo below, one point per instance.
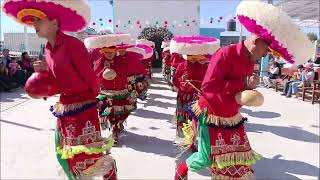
(110, 20)
(165, 22)
(188, 24)
(194, 21)
(157, 22)
(129, 22)
(138, 22)
(211, 22)
(117, 26)
(101, 24)
(140, 26)
(100, 19)
(94, 23)
(220, 17)
(185, 21)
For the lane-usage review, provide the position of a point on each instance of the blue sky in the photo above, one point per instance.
(102, 9)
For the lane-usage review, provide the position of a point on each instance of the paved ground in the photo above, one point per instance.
(285, 131)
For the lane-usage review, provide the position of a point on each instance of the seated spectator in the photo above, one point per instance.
(6, 58)
(306, 77)
(13, 67)
(6, 84)
(26, 64)
(275, 71)
(297, 77)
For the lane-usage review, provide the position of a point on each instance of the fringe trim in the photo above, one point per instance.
(217, 120)
(247, 176)
(113, 93)
(119, 110)
(60, 110)
(188, 135)
(100, 167)
(236, 158)
(131, 79)
(68, 152)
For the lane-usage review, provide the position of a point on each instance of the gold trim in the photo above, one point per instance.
(58, 107)
(114, 92)
(30, 12)
(217, 120)
(107, 50)
(234, 157)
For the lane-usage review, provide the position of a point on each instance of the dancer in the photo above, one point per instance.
(112, 71)
(166, 64)
(141, 84)
(223, 144)
(79, 145)
(148, 53)
(136, 70)
(148, 61)
(189, 74)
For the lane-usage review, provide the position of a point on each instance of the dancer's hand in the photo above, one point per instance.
(40, 66)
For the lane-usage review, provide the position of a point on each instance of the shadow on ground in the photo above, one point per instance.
(25, 126)
(260, 114)
(152, 115)
(148, 144)
(293, 133)
(11, 96)
(279, 168)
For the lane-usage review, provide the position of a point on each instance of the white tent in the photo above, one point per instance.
(306, 13)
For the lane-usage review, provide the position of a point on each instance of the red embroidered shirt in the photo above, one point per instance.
(119, 65)
(71, 66)
(135, 66)
(226, 76)
(176, 59)
(194, 72)
(166, 57)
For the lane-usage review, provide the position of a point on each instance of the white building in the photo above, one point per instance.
(181, 17)
(16, 42)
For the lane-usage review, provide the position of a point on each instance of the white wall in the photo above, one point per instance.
(12, 41)
(150, 11)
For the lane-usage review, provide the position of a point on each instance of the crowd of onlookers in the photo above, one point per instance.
(14, 71)
(303, 75)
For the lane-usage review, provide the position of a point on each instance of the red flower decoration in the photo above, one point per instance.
(220, 17)
(138, 22)
(194, 21)
(211, 22)
(165, 22)
(110, 20)
(117, 25)
(94, 23)
(188, 25)
(140, 26)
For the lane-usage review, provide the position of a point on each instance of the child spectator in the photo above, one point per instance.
(13, 67)
(275, 71)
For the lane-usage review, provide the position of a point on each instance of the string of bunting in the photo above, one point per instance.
(140, 24)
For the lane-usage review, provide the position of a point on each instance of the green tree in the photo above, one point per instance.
(312, 36)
